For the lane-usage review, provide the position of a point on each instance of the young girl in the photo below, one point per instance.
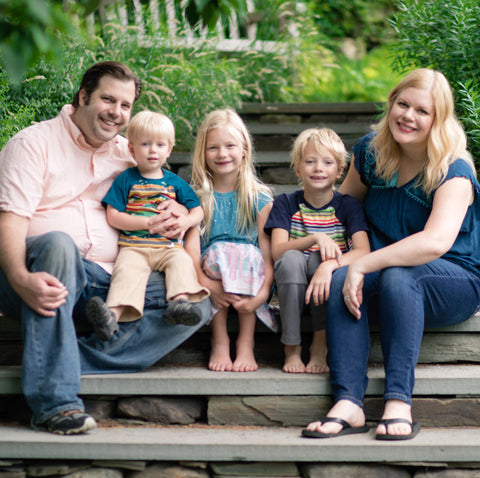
(233, 257)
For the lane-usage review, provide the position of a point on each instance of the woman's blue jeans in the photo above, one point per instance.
(402, 301)
(53, 359)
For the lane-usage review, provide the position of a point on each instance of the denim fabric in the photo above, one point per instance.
(52, 361)
(402, 301)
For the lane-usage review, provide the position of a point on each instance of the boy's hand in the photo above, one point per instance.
(319, 288)
(328, 248)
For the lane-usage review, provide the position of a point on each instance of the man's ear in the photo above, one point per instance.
(82, 97)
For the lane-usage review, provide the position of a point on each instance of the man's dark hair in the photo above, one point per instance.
(92, 77)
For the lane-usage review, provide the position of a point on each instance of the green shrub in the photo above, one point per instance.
(334, 77)
(445, 36)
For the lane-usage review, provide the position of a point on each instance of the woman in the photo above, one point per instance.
(421, 198)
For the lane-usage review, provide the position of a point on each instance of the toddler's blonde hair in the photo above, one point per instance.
(151, 125)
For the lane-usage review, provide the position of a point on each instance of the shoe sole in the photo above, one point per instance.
(88, 425)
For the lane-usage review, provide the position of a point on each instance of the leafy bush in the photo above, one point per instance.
(329, 77)
(445, 36)
(13, 117)
(183, 81)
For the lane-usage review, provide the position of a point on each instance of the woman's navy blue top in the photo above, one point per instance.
(394, 213)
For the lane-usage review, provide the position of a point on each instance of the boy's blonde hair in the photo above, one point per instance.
(320, 138)
(248, 186)
(447, 140)
(151, 125)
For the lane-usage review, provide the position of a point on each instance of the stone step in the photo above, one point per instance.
(239, 444)
(455, 344)
(431, 380)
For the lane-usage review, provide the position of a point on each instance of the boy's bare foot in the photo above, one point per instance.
(245, 360)
(293, 360)
(318, 353)
(344, 409)
(220, 360)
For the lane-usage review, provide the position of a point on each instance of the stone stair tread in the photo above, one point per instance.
(206, 443)
(460, 379)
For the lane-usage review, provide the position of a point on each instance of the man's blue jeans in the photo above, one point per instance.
(53, 358)
(402, 301)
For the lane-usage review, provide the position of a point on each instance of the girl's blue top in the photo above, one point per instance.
(394, 213)
(224, 223)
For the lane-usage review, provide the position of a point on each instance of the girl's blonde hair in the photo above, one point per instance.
(320, 138)
(152, 125)
(447, 140)
(248, 186)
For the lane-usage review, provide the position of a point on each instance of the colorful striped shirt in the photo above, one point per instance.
(134, 194)
(342, 217)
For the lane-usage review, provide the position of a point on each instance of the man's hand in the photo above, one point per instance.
(166, 222)
(42, 292)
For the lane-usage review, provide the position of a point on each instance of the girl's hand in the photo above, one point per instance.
(247, 304)
(328, 248)
(353, 290)
(319, 287)
(219, 297)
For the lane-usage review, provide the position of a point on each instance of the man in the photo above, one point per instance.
(57, 249)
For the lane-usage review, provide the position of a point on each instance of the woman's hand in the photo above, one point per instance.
(353, 290)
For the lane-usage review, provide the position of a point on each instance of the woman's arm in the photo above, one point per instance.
(449, 208)
(352, 184)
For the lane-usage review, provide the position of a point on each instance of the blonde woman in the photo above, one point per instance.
(234, 261)
(421, 197)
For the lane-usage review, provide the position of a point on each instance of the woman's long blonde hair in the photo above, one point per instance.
(447, 140)
(248, 186)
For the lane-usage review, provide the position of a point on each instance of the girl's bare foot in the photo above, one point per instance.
(293, 360)
(318, 353)
(344, 409)
(220, 360)
(396, 409)
(245, 359)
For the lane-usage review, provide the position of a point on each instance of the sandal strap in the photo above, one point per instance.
(390, 421)
(340, 421)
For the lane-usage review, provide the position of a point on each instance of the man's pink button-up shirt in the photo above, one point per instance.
(50, 175)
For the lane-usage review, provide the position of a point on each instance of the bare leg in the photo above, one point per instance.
(220, 360)
(344, 409)
(293, 359)
(396, 409)
(318, 353)
(245, 358)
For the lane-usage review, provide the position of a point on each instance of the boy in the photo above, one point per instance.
(314, 231)
(132, 199)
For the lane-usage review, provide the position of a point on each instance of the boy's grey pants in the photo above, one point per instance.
(293, 272)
